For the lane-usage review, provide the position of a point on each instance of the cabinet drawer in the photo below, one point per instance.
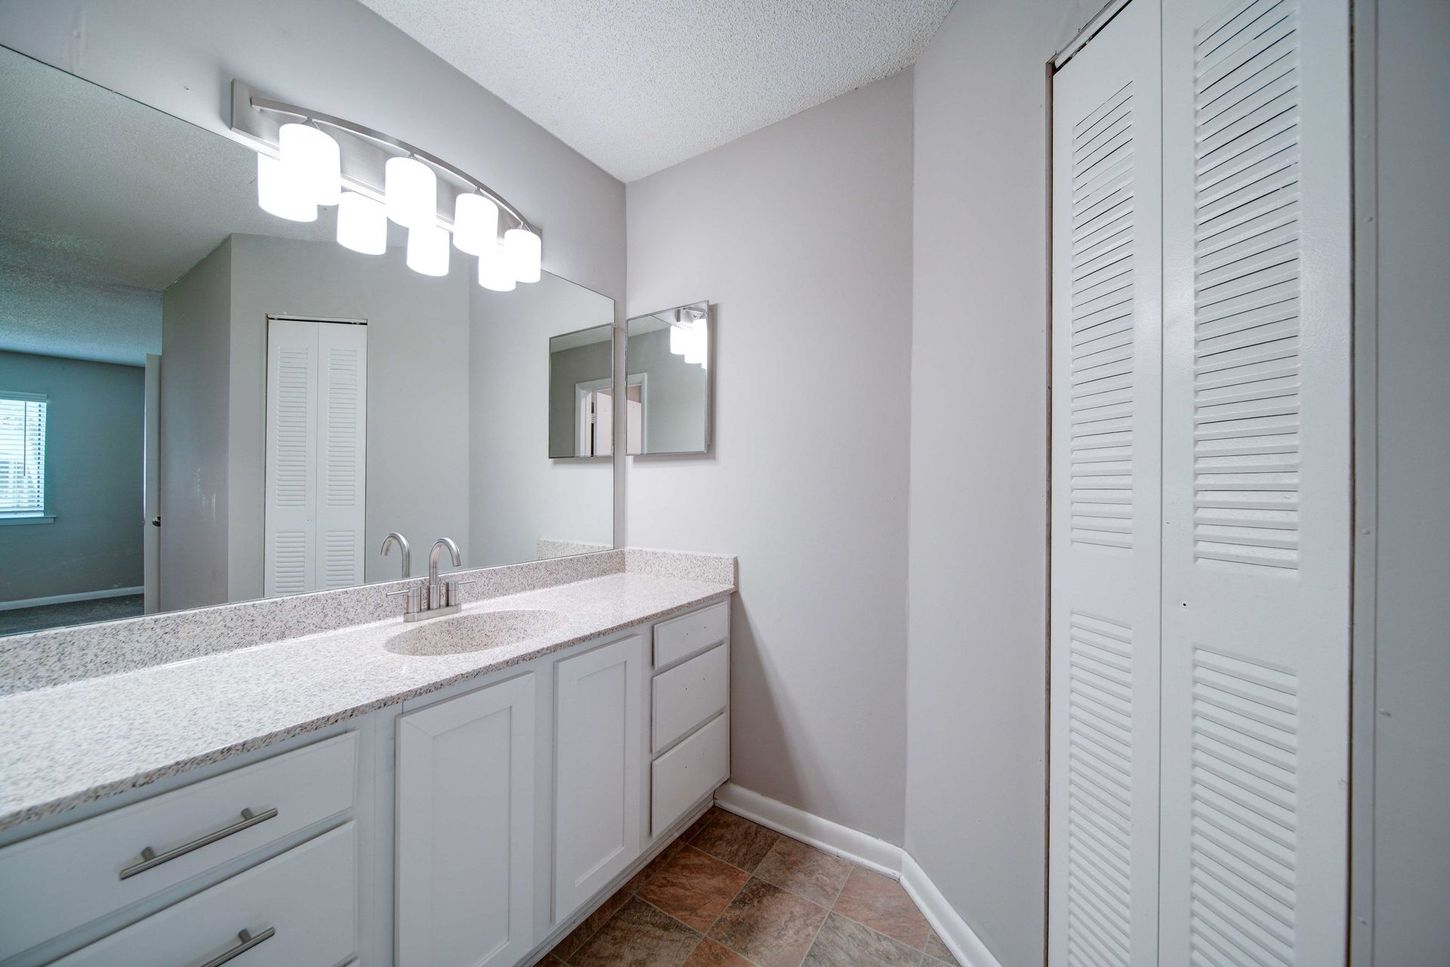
(306, 898)
(680, 777)
(62, 879)
(690, 634)
(689, 694)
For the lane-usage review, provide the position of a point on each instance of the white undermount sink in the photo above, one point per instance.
(462, 633)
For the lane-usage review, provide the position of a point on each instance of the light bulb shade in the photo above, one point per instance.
(475, 224)
(679, 340)
(410, 191)
(362, 225)
(280, 193)
(523, 250)
(696, 347)
(493, 271)
(314, 160)
(428, 250)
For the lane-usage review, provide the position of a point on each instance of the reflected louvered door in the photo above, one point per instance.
(290, 527)
(316, 456)
(342, 360)
(1105, 480)
(1256, 476)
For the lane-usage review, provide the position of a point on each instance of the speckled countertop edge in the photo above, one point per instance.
(74, 743)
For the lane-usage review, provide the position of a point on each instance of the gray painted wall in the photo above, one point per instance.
(94, 423)
(1411, 770)
(195, 373)
(807, 479)
(976, 773)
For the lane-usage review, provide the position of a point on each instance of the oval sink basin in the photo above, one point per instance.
(463, 633)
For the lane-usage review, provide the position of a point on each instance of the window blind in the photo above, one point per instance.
(22, 455)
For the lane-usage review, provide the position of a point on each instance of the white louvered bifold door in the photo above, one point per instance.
(316, 428)
(342, 361)
(290, 527)
(1256, 473)
(1105, 482)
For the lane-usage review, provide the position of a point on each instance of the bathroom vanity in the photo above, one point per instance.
(461, 790)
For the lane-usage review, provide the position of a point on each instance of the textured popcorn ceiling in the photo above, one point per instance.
(638, 85)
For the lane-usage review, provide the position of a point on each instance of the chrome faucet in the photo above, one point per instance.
(432, 598)
(395, 538)
(442, 595)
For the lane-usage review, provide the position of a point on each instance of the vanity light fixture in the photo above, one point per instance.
(493, 271)
(410, 192)
(521, 250)
(280, 194)
(312, 160)
(475, 224)
(306, 158)
(689, 336)
(428, 250)
(362, 224)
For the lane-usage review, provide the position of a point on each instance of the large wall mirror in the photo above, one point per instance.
(200, 403)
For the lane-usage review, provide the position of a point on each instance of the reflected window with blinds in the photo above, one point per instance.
(22, 456)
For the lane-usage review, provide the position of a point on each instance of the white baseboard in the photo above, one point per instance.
(856, 846)
(868, 851)
(68, 598)
(960, 939)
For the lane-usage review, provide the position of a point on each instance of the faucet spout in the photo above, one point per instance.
(438, 545)
(402, 542)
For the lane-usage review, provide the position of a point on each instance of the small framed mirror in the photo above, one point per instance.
(667, 365)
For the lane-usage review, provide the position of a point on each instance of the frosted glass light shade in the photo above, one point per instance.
(410, 191)
(679, 340)
(522, 250)
(428, 250)
(314, 160)
(696, 347)
(475, 224)
(362, 224)
(493, 271)
(280, 193)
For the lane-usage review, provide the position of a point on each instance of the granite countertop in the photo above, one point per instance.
(73, 743)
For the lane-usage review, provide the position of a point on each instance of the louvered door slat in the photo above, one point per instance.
(1255, 478)
(1106, 278)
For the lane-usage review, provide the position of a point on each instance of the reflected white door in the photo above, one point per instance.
(151, 489)
(316, 456)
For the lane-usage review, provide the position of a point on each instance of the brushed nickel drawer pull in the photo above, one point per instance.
(150, 858)
(245, 942)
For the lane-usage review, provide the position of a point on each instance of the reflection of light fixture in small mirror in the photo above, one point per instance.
(280, 193)
(410, 192)
(314, 159)
(428, 250)
(362, 224)
(521, 250)
(493, 271)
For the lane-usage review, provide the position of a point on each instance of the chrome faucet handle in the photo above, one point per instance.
(412, 596)
(450, 591)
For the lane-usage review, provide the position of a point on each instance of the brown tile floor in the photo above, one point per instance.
(731, 893)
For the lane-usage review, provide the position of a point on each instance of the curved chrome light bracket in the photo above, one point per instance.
(256, 119)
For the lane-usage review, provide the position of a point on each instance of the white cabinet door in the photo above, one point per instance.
(465, 829)
(1256, 476)
(599, 739)
(1106, 318)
